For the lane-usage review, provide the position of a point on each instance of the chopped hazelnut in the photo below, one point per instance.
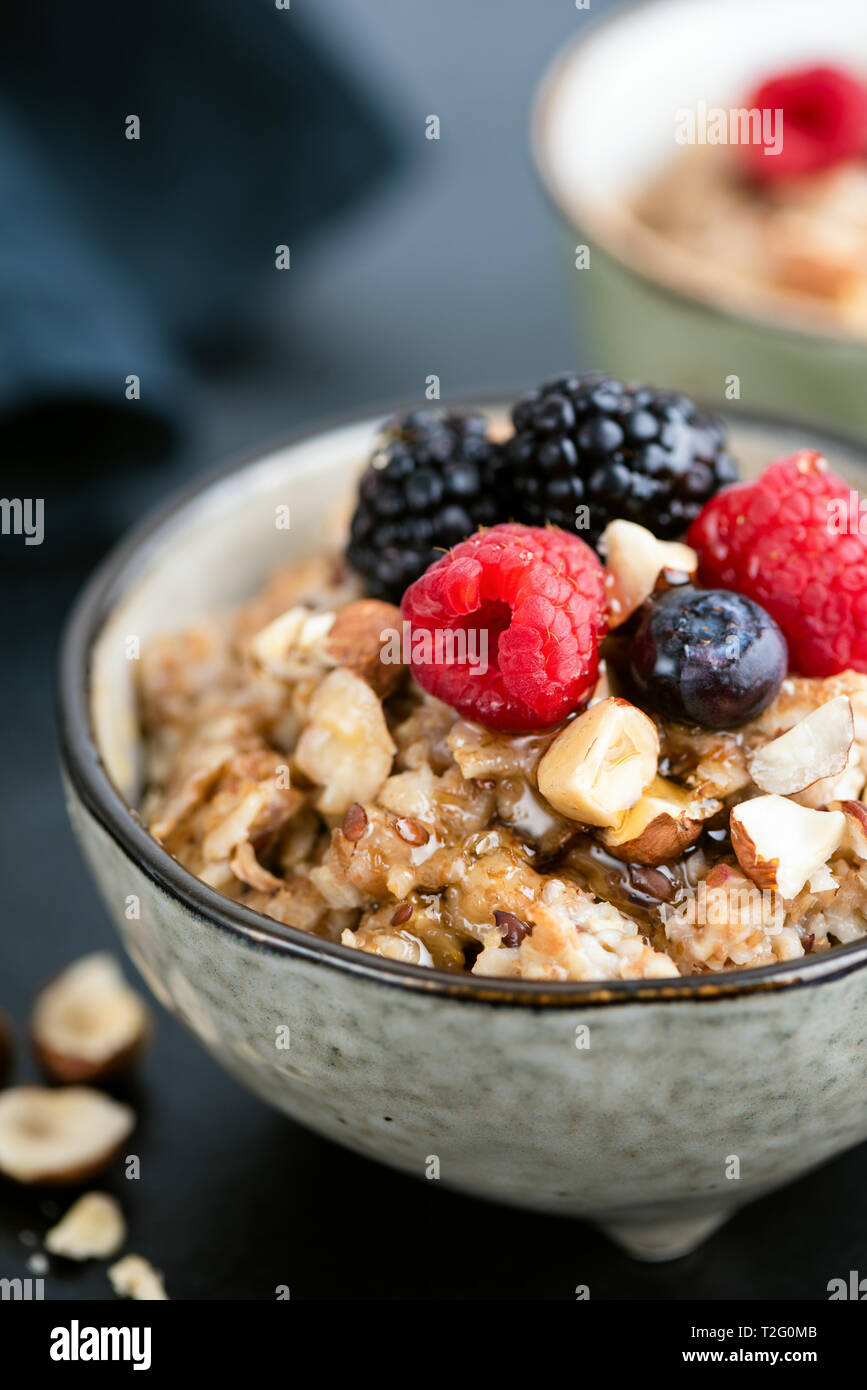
(635, 558)
(814, 748)
(599, 765)
(134, 1277)
(357, 638)
(92, 1229)
(87, 1023)
(781, 845)
(63, 1136)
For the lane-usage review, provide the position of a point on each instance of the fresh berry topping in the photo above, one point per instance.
(785, 540)
(616, 451)
(824, 122)
(506, 627)
(432, 480)
(708, 657)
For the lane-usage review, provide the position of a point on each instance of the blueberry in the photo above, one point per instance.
(708, 657)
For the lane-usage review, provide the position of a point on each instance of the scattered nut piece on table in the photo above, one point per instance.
(92, 1229)
(134, 1277)
(59, 1136)
(87, 1023)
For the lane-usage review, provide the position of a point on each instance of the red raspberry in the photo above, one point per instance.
(537, 598)
(824, 122)
(781, 542)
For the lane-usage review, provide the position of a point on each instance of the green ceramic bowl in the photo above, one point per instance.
(605, 118)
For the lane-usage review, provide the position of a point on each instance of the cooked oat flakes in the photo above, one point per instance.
(282, 778)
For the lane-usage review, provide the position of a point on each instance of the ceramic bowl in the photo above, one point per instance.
(630, 1103)
(605, 119)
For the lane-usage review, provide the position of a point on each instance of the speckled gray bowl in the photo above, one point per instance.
(681, 1101)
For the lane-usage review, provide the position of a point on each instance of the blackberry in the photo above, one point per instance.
(620, 451)
(431, 482)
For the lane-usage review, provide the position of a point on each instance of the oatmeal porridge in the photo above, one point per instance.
(792, 222)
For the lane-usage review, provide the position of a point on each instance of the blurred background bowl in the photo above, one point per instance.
(604, 122)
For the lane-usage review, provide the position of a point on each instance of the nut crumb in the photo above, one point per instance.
(92, 1229)
(134, 1277)
(356, 641)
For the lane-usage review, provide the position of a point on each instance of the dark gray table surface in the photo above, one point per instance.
(458, 271)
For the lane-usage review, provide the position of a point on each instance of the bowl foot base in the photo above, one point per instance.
(655, 1241)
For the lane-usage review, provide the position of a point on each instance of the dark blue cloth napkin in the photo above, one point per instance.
(117, 255)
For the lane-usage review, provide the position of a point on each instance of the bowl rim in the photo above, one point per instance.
(89, 780)
(780, 325)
